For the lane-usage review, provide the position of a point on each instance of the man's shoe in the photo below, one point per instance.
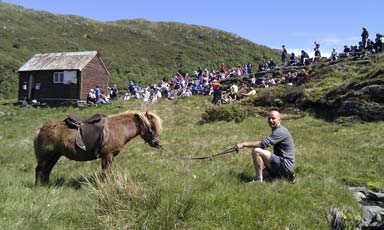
(291, 178)
(256, 180)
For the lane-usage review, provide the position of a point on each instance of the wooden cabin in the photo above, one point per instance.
(62, 78)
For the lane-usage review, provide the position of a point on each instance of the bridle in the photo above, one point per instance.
(151, 135)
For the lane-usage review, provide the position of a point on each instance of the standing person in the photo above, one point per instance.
(317, 55)
(223, 71)
(115, 92)
(216, 92)
(364, 37)
(132, 88)
(97, 92)
(317, 45)
(378, 45)
(278, 164)
(233, 91)
(284, 54)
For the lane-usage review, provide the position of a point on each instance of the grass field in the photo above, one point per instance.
(151, 189)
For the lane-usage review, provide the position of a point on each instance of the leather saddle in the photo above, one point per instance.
(92, 133)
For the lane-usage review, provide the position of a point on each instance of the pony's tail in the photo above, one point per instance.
(35, 143)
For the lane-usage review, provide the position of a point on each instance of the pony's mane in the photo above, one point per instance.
(142, 115)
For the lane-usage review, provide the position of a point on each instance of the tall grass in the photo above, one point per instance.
(151, 189)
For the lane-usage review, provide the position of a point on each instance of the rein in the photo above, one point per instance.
(169, 153)
(210, 157)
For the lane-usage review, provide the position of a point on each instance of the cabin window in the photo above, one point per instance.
(70, 77)
(58, 77)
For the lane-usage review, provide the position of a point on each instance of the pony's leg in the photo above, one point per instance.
(106, 165)
(44, 168)
(39, 173)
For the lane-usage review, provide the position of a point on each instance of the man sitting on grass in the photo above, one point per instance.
(278, 164)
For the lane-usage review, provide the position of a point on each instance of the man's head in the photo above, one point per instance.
(274, 119)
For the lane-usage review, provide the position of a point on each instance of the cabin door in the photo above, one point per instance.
(31, 87)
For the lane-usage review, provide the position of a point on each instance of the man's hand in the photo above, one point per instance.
(239, 146)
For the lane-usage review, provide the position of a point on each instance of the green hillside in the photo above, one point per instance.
(348, 89)
(131, 49)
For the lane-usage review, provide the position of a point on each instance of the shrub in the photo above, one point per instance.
(280, 97)
(225, 113)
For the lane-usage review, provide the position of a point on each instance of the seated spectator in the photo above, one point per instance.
(126, 96)
(360, 48)
(270, 81)
(146, 95)
(188, 92)
(251, 92)
(239, 71)
(288, 78)
(272, 64)
(334, 55)
(303, 73)
(103, 99)
(91, 98)
(302, 77)
(225, 99)
(292, 60)
(346, 51)
(304, 58)
(369, 46)
(157, 94)
(195, 87)
(294, 79)
(249, 66)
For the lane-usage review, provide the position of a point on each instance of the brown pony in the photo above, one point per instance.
(56, 139)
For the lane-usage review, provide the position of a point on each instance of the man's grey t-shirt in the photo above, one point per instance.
(283, 145)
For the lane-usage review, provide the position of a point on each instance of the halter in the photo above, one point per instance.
(145, 118)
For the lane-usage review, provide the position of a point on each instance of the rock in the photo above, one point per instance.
(373, 216)
(359, 197)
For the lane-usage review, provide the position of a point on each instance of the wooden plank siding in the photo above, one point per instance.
(93, 74)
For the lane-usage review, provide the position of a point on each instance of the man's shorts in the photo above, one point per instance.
(278, 169)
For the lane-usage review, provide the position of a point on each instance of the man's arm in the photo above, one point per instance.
(249, 144)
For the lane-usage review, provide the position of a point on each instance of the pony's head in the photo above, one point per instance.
(151, 126)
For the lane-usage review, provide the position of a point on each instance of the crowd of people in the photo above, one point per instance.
(97, 96)
(204, 82)
(366, 45)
